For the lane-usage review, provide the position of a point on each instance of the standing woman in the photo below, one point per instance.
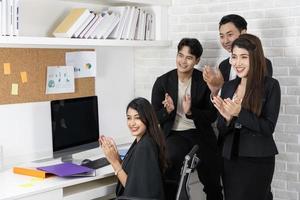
(141, 172)
(249, 107)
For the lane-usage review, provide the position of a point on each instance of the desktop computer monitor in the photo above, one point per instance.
(75, 126)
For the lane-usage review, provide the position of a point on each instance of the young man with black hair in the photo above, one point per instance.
(181, 100)
(230, 28)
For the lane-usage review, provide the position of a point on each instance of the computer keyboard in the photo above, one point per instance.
(96, 164)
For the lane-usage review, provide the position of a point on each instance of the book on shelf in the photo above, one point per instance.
(111, 27)
(133, 26)
(84, 25)
(71, 22)
(9, 17)
(128, 22)
(122, 11)
(109, 21)
(88, 27)
(91, 30)
(3, 17)
(16, 17)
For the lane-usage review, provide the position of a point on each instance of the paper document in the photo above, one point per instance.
(84, 63)
(60, 79)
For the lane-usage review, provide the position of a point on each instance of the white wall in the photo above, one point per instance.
(277, 23)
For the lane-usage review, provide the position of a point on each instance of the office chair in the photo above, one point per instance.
(189, 165)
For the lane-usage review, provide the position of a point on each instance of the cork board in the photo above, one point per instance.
(34, 62)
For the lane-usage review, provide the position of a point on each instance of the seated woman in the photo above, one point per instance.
(140, 174)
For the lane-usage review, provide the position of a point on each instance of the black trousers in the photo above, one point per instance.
(178, 144)
(248, 178)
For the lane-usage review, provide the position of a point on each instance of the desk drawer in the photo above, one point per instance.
(90, 190)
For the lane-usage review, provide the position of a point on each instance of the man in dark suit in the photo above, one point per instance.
(230, 28)
(181, 100)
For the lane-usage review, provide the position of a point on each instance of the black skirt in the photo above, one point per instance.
(246, 178)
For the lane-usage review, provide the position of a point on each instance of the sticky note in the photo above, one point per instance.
(24, 77)
(14, 89)
(6, 67)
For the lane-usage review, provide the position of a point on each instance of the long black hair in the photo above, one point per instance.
(257, 71)
(148, 117)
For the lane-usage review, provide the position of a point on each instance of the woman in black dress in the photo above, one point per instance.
(141, 172)
(249, 107)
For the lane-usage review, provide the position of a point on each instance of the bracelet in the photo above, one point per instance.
(118, 170)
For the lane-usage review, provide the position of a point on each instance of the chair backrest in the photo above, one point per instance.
(190, 163)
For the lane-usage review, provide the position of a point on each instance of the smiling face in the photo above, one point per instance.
(228, 33)
(240, 61)
(135, 124)
(185, 61)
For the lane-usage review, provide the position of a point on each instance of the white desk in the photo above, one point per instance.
(14, 186)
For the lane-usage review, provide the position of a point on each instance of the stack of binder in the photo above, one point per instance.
(119, 22)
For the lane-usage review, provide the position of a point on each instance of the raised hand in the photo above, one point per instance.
(109, 149)
(168, 103)
(219, 104)
(213, 79)
(186, 104)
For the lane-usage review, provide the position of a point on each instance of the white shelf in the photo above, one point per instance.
(51, 42)
(141, 2)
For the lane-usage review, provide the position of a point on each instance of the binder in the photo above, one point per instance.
(133, 26)
(128, 22)
(108, 22)
(9, 17)
(117, 31)
(84, 25)
(29, 172)
(16, 17)
(93, 27)
(72, 22)
(66, 169)
(88, 27)
(3, 17)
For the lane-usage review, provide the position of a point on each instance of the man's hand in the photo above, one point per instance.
(213, 78)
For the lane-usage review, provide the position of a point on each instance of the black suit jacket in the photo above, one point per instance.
(256, 133)
(225, 67)
(203, 112)
(144, 177)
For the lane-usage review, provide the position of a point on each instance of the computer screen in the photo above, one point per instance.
(75, 126)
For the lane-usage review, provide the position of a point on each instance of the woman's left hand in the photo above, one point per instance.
(233, 107)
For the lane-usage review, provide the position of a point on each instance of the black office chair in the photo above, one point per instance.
(189, 165)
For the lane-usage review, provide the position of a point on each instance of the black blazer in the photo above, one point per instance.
(203, 112)
(144, 177)
(256, 133)
(225, 67)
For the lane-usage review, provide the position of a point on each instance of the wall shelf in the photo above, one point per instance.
(52, 42)
(141, 2)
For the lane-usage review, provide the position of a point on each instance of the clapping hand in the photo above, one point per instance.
(109, 149)
(213, 78)
(168, 103)
(227, 107)
(186, 104)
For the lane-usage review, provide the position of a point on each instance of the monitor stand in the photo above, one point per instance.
(69, 158)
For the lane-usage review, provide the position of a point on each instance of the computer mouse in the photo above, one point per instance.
(85, 161)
